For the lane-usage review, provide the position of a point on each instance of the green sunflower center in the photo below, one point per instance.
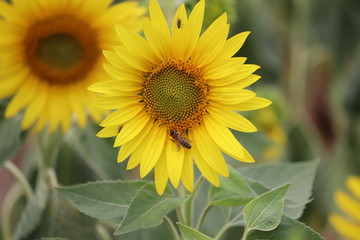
(175, 94)
(61, 49)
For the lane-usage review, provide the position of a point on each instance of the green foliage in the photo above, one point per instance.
(301, 175)
(11, 135)
(148, 208)
(289, 229)
(62, 221)
(33, 212)
(189, 233)
(234, 191)
(264, 212)
(106, 200)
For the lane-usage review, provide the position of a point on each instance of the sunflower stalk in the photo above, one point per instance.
(189, 205)
(21, 178)
(49, 146)
(171, 228)
(9, 203)
(203, 215)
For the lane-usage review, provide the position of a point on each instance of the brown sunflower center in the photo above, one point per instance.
(61, 49)
(175, 94)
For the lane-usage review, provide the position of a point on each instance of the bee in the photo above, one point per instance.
(178, 23)
(180, 141)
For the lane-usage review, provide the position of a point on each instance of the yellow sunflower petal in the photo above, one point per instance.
(136, 43)
(158, 44)
(230, 119)
(224, 138)
(204, 168)
(36, 106)
(151, 149)
(161, 174)
(10, 83)
(232, 98)
(129, 17)
(209, 150)
(121, 116)
(157, 17)
(115, 102)
(195, 24)
(252, 104)
(353, 184)
(347, 204)
(132, 59)
(175, 160)
(11, 35)
(130, 146)
(233, 45)
(180, 33)
(242, 77)
(223, 68)
(119, 64)
(22, 97)
(53, 110)
(120, 75)
(78, 106)
(108, 132)
(187, 174)
(248, 158)
(131, 128)
(345, 227)
(211, 42)
(5, 9)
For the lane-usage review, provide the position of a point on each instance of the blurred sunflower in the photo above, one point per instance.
(348, 226)
(175, 96)
(50, 53)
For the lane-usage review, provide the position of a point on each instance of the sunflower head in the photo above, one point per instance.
(51, 51)
(175, 94)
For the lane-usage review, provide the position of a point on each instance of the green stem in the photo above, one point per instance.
(228, 224)
(203, 216)
(49, 146)
(246, 233)
(190, 203)
(20, 177)
(171, 228)
(222, 231)
(102, 232)
(179, 214)
(10, 200)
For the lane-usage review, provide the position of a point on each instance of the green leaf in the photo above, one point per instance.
(62, 220)
(301, 175)
(234, 190)
(33, 212)
(147, 209)
(289, 229)
(189, 233)
(11, 137)
(107, 200)
(264, 212)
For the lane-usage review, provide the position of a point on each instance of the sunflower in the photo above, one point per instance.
(51, 52)
(348, 226)
(174, 97)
